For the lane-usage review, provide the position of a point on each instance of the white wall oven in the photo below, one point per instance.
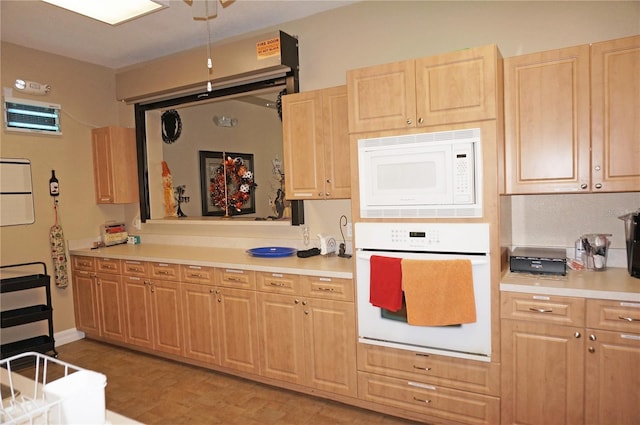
(426, 242)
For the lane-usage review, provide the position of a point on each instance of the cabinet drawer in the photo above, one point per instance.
(435, 401)
(613, 315)
(462, 374)
(543, 308)
(108, 265)
(327, 287)
(83, 263)
(135, 268)
(196, 274)
(279, 283)
(235, 278)
(165, 271)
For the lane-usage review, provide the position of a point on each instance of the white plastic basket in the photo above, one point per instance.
(60, 393)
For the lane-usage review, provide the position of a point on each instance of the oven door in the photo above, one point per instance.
(471, 341)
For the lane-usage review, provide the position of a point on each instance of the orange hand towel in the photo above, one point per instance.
(385, 282)
(438, 292)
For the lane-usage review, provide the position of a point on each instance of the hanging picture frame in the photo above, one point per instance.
(227, 187)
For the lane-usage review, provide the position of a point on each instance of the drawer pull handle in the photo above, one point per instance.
(163, 272)
(280, 284)
(195, 275)
(421, 400)
(541, 310)
(320, 288)
(421, 368)
(628, 319)
(233, 279)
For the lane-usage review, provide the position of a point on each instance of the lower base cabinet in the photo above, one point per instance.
(441, 389)
(567, 360)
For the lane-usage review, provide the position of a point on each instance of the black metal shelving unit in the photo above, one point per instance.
(34, 313)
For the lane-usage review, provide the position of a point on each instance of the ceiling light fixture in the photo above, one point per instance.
(209, 60)
(112, 12)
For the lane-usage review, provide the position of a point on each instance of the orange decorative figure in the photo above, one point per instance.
(167, 185)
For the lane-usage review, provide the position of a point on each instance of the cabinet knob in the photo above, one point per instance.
(409, 121)
(296, 301)
(598, 185)
(305, 302)
(328, 194)
(584, 186)
(306, 312)
(592, 350)
(328, 180)
(592, 337)
(420, 120)
(577, 334)
(320, 194)
(597, 168)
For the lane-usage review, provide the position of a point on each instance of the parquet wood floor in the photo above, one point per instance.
(153, 390)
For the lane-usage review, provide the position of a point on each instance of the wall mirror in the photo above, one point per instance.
(244, 119)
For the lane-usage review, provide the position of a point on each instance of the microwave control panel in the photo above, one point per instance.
(464, 174)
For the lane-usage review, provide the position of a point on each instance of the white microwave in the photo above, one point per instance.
(427, 175)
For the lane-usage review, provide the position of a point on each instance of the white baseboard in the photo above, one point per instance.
(67, 336)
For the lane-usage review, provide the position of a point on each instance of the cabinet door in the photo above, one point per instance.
(615, 108)
(382, 97)
(542, 373)
(330, 344)
(111, 306)
(337, 174)
(612, 378)
(237, 320)
(302, 145)
(201, 340)
(138, 312)
(457, 87)
(115, 165)
(85, 293)
(281, 337)
(547, 132)
(167, 316)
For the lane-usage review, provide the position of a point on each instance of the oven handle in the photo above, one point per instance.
(360, 255)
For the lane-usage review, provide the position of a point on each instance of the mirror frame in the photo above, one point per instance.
(290, 82)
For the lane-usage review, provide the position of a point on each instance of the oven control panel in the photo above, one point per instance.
(443, 237)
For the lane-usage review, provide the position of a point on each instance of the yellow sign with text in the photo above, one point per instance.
(268, 48)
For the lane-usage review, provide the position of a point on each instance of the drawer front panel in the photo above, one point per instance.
(543, 308)
(435, 401)
(279, 283)
(165, 271)
(327, 287)
(196, 274)
(108, 265)
(84, 263)
(235, 278)
(462, 374)
(135, 268)
(613, 315)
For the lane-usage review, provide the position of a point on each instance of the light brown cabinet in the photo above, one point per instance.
(305, 339)
(153, 306)
(449, 88)
(436, 387)
(316, 144)
(612, 363)
(98, 297)
(570, 119)
(115, 165)
(556, 371)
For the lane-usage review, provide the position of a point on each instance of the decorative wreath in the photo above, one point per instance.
(232, 175)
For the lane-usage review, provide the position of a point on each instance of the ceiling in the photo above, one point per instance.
(41, 26)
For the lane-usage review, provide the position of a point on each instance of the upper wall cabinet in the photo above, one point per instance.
(316, 144)
(444, 89)
(615, 115)
(552, 144)
(115, 165)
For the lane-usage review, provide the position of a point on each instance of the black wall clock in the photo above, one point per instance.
(171, 126)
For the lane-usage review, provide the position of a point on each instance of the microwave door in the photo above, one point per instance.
(410, 178)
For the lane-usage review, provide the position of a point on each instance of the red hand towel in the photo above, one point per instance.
(385, 282)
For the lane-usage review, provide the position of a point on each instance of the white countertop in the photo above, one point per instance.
(319, 265)
(611, 284)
